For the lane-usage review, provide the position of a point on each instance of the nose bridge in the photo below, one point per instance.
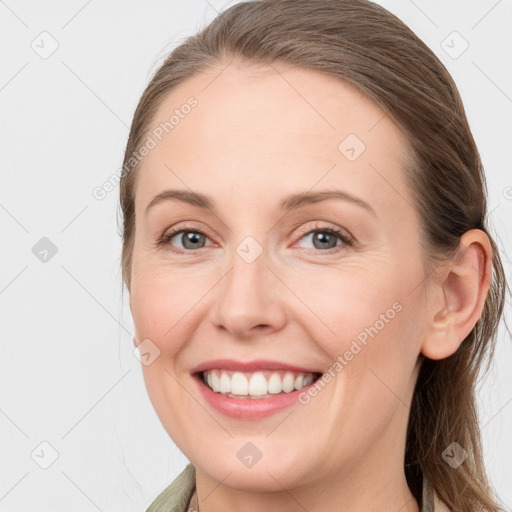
(249, 295)
(245, 283)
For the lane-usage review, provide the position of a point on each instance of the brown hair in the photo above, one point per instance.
(365, 45)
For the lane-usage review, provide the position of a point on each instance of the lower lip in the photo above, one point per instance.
(248, 408)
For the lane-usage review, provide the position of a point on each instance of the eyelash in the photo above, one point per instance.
(342, 235)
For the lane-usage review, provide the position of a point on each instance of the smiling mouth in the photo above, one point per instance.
(257, 384)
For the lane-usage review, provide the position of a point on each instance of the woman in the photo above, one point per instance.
(318, 349)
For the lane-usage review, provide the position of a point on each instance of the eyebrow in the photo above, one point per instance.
(289, 203)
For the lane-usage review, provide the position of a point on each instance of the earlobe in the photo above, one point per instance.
(463, 291)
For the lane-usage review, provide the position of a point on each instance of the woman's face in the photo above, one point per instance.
(250, 280)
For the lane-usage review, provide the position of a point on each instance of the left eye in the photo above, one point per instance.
(327, 237)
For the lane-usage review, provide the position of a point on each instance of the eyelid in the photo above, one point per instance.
(323, 224)
(185, 226)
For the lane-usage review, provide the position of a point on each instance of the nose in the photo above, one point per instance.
(249, 300)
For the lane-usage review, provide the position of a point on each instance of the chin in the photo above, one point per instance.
(268, 474)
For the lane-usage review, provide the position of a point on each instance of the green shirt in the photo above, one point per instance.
(176, 497)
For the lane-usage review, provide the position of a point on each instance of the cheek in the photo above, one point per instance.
(341, 304)
(161, 311)
(159, 307)
(365, 320)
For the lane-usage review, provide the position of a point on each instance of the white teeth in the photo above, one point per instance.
(215, 381)
(288, 382)
(275, 384)
(239, 384)
(255, 384)
(225, 383)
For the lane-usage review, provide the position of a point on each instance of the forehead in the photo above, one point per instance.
(261, 132)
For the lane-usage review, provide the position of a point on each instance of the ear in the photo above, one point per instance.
(463, 289)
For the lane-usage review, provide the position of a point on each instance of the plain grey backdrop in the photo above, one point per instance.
(77, 429)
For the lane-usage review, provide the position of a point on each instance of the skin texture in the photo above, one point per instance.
(257, 135)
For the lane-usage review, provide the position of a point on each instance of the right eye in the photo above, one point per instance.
(187, 237)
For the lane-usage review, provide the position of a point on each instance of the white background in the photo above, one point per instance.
(67, 372)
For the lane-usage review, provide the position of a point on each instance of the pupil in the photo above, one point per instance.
(321, 238)
(189, 237)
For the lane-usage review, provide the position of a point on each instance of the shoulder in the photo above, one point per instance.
(176, 496)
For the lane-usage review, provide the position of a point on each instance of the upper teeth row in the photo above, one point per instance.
(256, 383)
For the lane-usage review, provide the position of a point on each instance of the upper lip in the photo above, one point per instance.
(249, 366)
